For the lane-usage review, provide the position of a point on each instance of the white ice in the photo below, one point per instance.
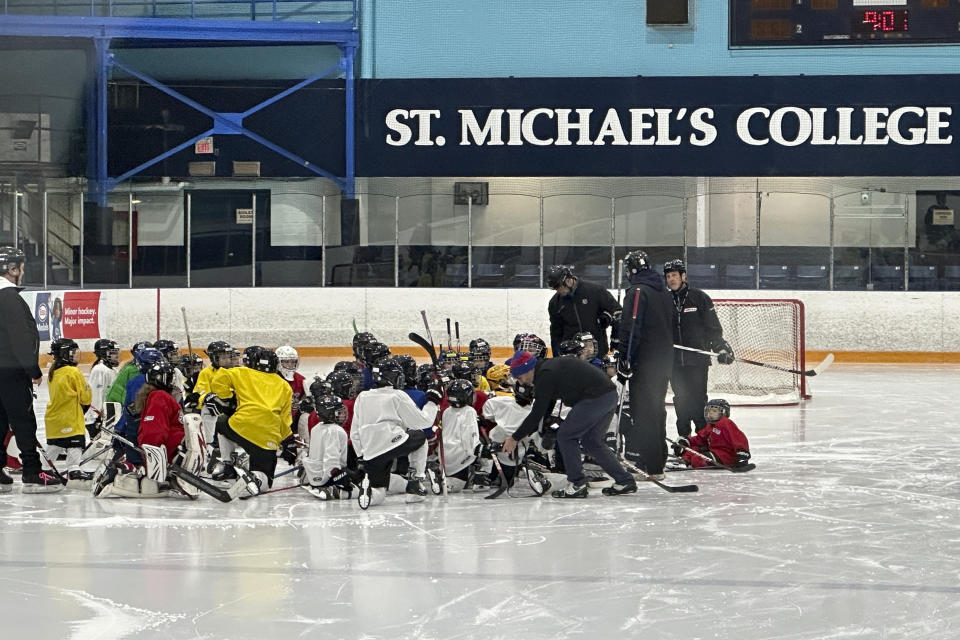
(848, 528)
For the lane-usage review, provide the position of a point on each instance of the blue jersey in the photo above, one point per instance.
(419, 397)
(128, 425)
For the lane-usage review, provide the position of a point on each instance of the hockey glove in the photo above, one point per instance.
(614, 344)
(288, 450)
(679, 445)
(724, 352)
(307, 405)
(624, 371)
(743, 457)
(434, 395)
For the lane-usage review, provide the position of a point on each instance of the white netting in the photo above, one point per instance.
(768, 331)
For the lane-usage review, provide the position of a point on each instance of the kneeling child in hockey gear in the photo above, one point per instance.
(325, 462)
(461, 437)
(69, 399)
(506, 413)
(263, 415)
(387, 425)
(720, 440)
(102, 375)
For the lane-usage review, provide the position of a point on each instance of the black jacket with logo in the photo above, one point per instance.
(582, 310)
(695, 324)
(651, 349)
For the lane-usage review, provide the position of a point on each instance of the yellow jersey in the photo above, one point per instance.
(68, 390)
(264, 400)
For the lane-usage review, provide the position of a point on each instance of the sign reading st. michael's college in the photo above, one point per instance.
(716, 126)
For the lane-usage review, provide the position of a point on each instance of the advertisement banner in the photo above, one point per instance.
(81, 314)
(41, 313)
(854, 125)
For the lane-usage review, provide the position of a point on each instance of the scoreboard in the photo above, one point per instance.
(805, 23)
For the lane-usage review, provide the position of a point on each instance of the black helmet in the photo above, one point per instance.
(64, 351)
(251, 354)
(319, 388)
(359, 341)
(373, 352)
(558, 274)
(717, 403)
(426, 375)
(569, 348)
(342, 384)
(448, 357)
(160, 374)
(479, 350)
(189, 364)
(636, 261)
(522, 393)
(330, 409)
(352, 369)
(168, 348)
(532, 343)
(11, 257)
(267, 361)
(466, 371)
(107, 351)
(674, 265)
(460, 393)
(388, 373)
(409, 366)
(143, 344)
(216, 349)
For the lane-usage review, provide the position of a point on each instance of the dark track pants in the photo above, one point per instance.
(689, 395)
(16, 414)
(646, 437)
(586, 427)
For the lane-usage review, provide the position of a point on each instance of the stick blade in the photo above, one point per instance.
(683, 488)
(823, 366)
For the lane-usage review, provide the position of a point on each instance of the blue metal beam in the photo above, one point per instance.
(179, 29)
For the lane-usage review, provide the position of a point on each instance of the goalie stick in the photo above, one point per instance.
(817, 370)
(714, 463)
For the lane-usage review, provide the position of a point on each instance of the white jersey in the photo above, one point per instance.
(100, 380)
(328, 451)
(506, 413)
(460, 438)
(381, 418)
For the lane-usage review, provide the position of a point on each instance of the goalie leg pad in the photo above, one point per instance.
(155, 459)
(131, 485)
(398, 484)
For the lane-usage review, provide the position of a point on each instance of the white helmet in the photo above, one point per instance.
(289, 361)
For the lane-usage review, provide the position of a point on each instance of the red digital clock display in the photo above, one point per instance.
(881, 21)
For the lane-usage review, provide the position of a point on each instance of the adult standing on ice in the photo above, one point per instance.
(19, 373)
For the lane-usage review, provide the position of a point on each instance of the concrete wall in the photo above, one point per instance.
(867, 325)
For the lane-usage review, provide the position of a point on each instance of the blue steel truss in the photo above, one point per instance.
(189, 21)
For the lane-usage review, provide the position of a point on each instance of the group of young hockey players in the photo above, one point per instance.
(163, 424)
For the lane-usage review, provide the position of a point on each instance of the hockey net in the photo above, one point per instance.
(765, 330)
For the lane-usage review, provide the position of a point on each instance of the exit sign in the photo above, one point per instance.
(203, 145)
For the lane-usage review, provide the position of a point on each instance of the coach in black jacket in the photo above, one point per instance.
(580, 306)
(695, 324)
(19, 372)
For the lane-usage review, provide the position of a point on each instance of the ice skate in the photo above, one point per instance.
(572, 491)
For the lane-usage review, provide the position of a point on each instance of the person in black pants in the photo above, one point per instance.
(695, 324)
(592, 398)
(580, 307)
(648, 364)
(19, 373)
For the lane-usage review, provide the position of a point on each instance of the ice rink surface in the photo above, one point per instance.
(848, 528)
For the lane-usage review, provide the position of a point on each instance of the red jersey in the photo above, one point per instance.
(722, 438)
(161, 423)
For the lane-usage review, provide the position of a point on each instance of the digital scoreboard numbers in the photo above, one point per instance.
(804, 23)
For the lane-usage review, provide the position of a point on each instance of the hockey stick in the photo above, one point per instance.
(626, 358)
(355, 330)
(59, 476)
(714, 463)
(186, 329)
(456, 326)
(684, 488)
(288, 471)
(817, 370)
(423, 314)
(436, 376)
(449, 337)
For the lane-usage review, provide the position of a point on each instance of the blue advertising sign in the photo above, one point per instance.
(41, 312)
(669, 126)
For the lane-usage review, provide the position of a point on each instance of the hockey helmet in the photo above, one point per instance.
(589, 345)
(719, 404)
(215, 350)
(479, 350)
(558, 274)
(107, 351)
(388, 373)
(289, 361)
(330, 409)
(143, 344)
(146, 357)
(409, 366)
(11, 257)
(374, 352)
(320, 387)
(359, 341)
(64, 351)
(426, 375)
(160, 374)
(569, 348)
(460, 393)
(342, 384)
(168, 348)
(267, 361)
(532, 343)
(251, 354)
(522, 393)
(674, 265)
(189, 364)
(636, 261)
